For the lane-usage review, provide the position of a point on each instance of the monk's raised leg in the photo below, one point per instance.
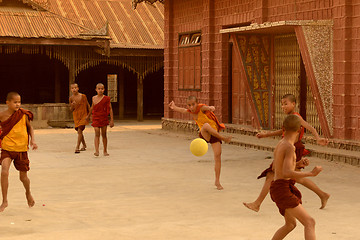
(324, 197)
(255, 206)
(212, 132)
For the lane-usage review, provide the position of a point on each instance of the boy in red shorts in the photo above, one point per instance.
(16, 128)
(209, 129)
(282, 190)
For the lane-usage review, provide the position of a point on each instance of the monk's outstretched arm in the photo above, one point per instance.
(319, 140)
(176, 108)
(270, 134)
(31, 133)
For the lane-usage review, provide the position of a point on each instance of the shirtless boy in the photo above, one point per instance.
(100, 110)
(282, 190)
(16, 129)
(209, 129)
(79, 105)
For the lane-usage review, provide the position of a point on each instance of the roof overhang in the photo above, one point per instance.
(281, 27)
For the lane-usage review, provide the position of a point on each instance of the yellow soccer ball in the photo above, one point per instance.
(198, 147)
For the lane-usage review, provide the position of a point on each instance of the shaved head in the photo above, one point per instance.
(11, 95)
(100, 85)
(292, 123)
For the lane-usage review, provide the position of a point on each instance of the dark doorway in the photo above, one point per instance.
(36, 78)
(88, 79)
(154, 95)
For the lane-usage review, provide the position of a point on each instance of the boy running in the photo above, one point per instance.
(16, 128)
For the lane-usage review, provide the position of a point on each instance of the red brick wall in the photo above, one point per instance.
(210, 16)
(346, 88)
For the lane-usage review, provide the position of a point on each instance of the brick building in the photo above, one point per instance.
(242, 56)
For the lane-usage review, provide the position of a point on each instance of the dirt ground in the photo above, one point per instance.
(152, 187)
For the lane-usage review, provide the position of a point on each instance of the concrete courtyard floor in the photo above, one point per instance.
(152, 187)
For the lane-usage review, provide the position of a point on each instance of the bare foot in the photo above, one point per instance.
(227, 139)
(96, 154)
(252, 206)
(30, 199)
(324, 200)
(83, 149)
(106, 154)
(3, 206)
(218, 186)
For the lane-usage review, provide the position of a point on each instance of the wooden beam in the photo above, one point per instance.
(121, 98)
(71, 70)
(136, 52)
(140, 100)
(102, 43)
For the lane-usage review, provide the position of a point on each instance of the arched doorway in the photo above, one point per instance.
(154, 95)
(88, 79)
(36, 77)
(126, 106)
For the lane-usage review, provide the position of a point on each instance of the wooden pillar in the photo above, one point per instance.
(140, 99)
(57, 83)
(121, 99)
(71, 71)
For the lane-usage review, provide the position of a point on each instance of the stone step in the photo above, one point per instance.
(337, 150)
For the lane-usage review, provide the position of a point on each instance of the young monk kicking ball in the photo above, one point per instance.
(282, 190)
(16, 129)
(209, 129)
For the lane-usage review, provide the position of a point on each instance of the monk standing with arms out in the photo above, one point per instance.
(100, 110)
(282, 190)
(79, 105)
(16, 128)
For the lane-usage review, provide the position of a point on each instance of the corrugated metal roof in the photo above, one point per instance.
(128, 28)
(23, 20)
(38, 24)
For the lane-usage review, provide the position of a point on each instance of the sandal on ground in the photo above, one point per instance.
(77, 151)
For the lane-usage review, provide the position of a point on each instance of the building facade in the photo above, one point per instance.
(243, 56)
(45, 45)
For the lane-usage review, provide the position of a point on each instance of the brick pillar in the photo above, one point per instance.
(168, 58)
(342, 88)
(208, 51)
(260, 11)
